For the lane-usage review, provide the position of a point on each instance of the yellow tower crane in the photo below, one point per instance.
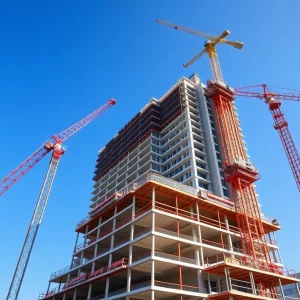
(209, 48)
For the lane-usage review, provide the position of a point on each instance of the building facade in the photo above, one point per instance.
(162, 224)
(175, 136)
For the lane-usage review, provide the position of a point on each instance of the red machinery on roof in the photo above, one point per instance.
(53, 144)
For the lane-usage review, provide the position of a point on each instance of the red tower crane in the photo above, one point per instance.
(280, 123)
(54, 145)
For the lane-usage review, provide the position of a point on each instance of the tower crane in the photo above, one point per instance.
(280, 124)
(54, 145)
(209, 47)
(239, 173)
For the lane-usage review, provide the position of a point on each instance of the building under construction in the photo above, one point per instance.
(172, 215)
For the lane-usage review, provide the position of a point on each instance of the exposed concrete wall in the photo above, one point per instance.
(213, 166)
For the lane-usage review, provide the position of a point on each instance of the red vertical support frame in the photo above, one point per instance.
(240, 174)
(281, 125)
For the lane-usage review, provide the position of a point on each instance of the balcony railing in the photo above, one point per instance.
(87, 277)
(164, 284)
(173, 184)
(108, 231)
(198, 240)
(161, 179)
(86, 260)
(245, 261)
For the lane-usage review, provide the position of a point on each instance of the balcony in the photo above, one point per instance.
(84, 279)
(159, 179)
(240, 268)
(162, 289)
(240, 289)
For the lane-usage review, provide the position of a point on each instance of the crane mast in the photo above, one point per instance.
(280, 123)
(54, 145)
(34, 225)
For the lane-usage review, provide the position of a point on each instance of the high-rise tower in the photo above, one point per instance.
(162, 224)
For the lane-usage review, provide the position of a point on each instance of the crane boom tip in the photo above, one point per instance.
(112, 101)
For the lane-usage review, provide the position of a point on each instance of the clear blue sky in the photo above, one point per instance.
(62, 59)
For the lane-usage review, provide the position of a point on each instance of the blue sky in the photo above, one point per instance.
(62, 59)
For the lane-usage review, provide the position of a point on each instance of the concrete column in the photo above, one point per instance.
(152, 274)
(64, 296)
(219, 285)
(212, 161)
(89, 291)
(110, 255)
(281, 289)
(229, 239)
(75, 294)
(199, 234)
(99, 228)
(228, 287)
(209, 286)
(229, 279)
(130, 248)
(153, 250)
(152, 295)
(199, 253)
(153, 236)
(113, 230)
